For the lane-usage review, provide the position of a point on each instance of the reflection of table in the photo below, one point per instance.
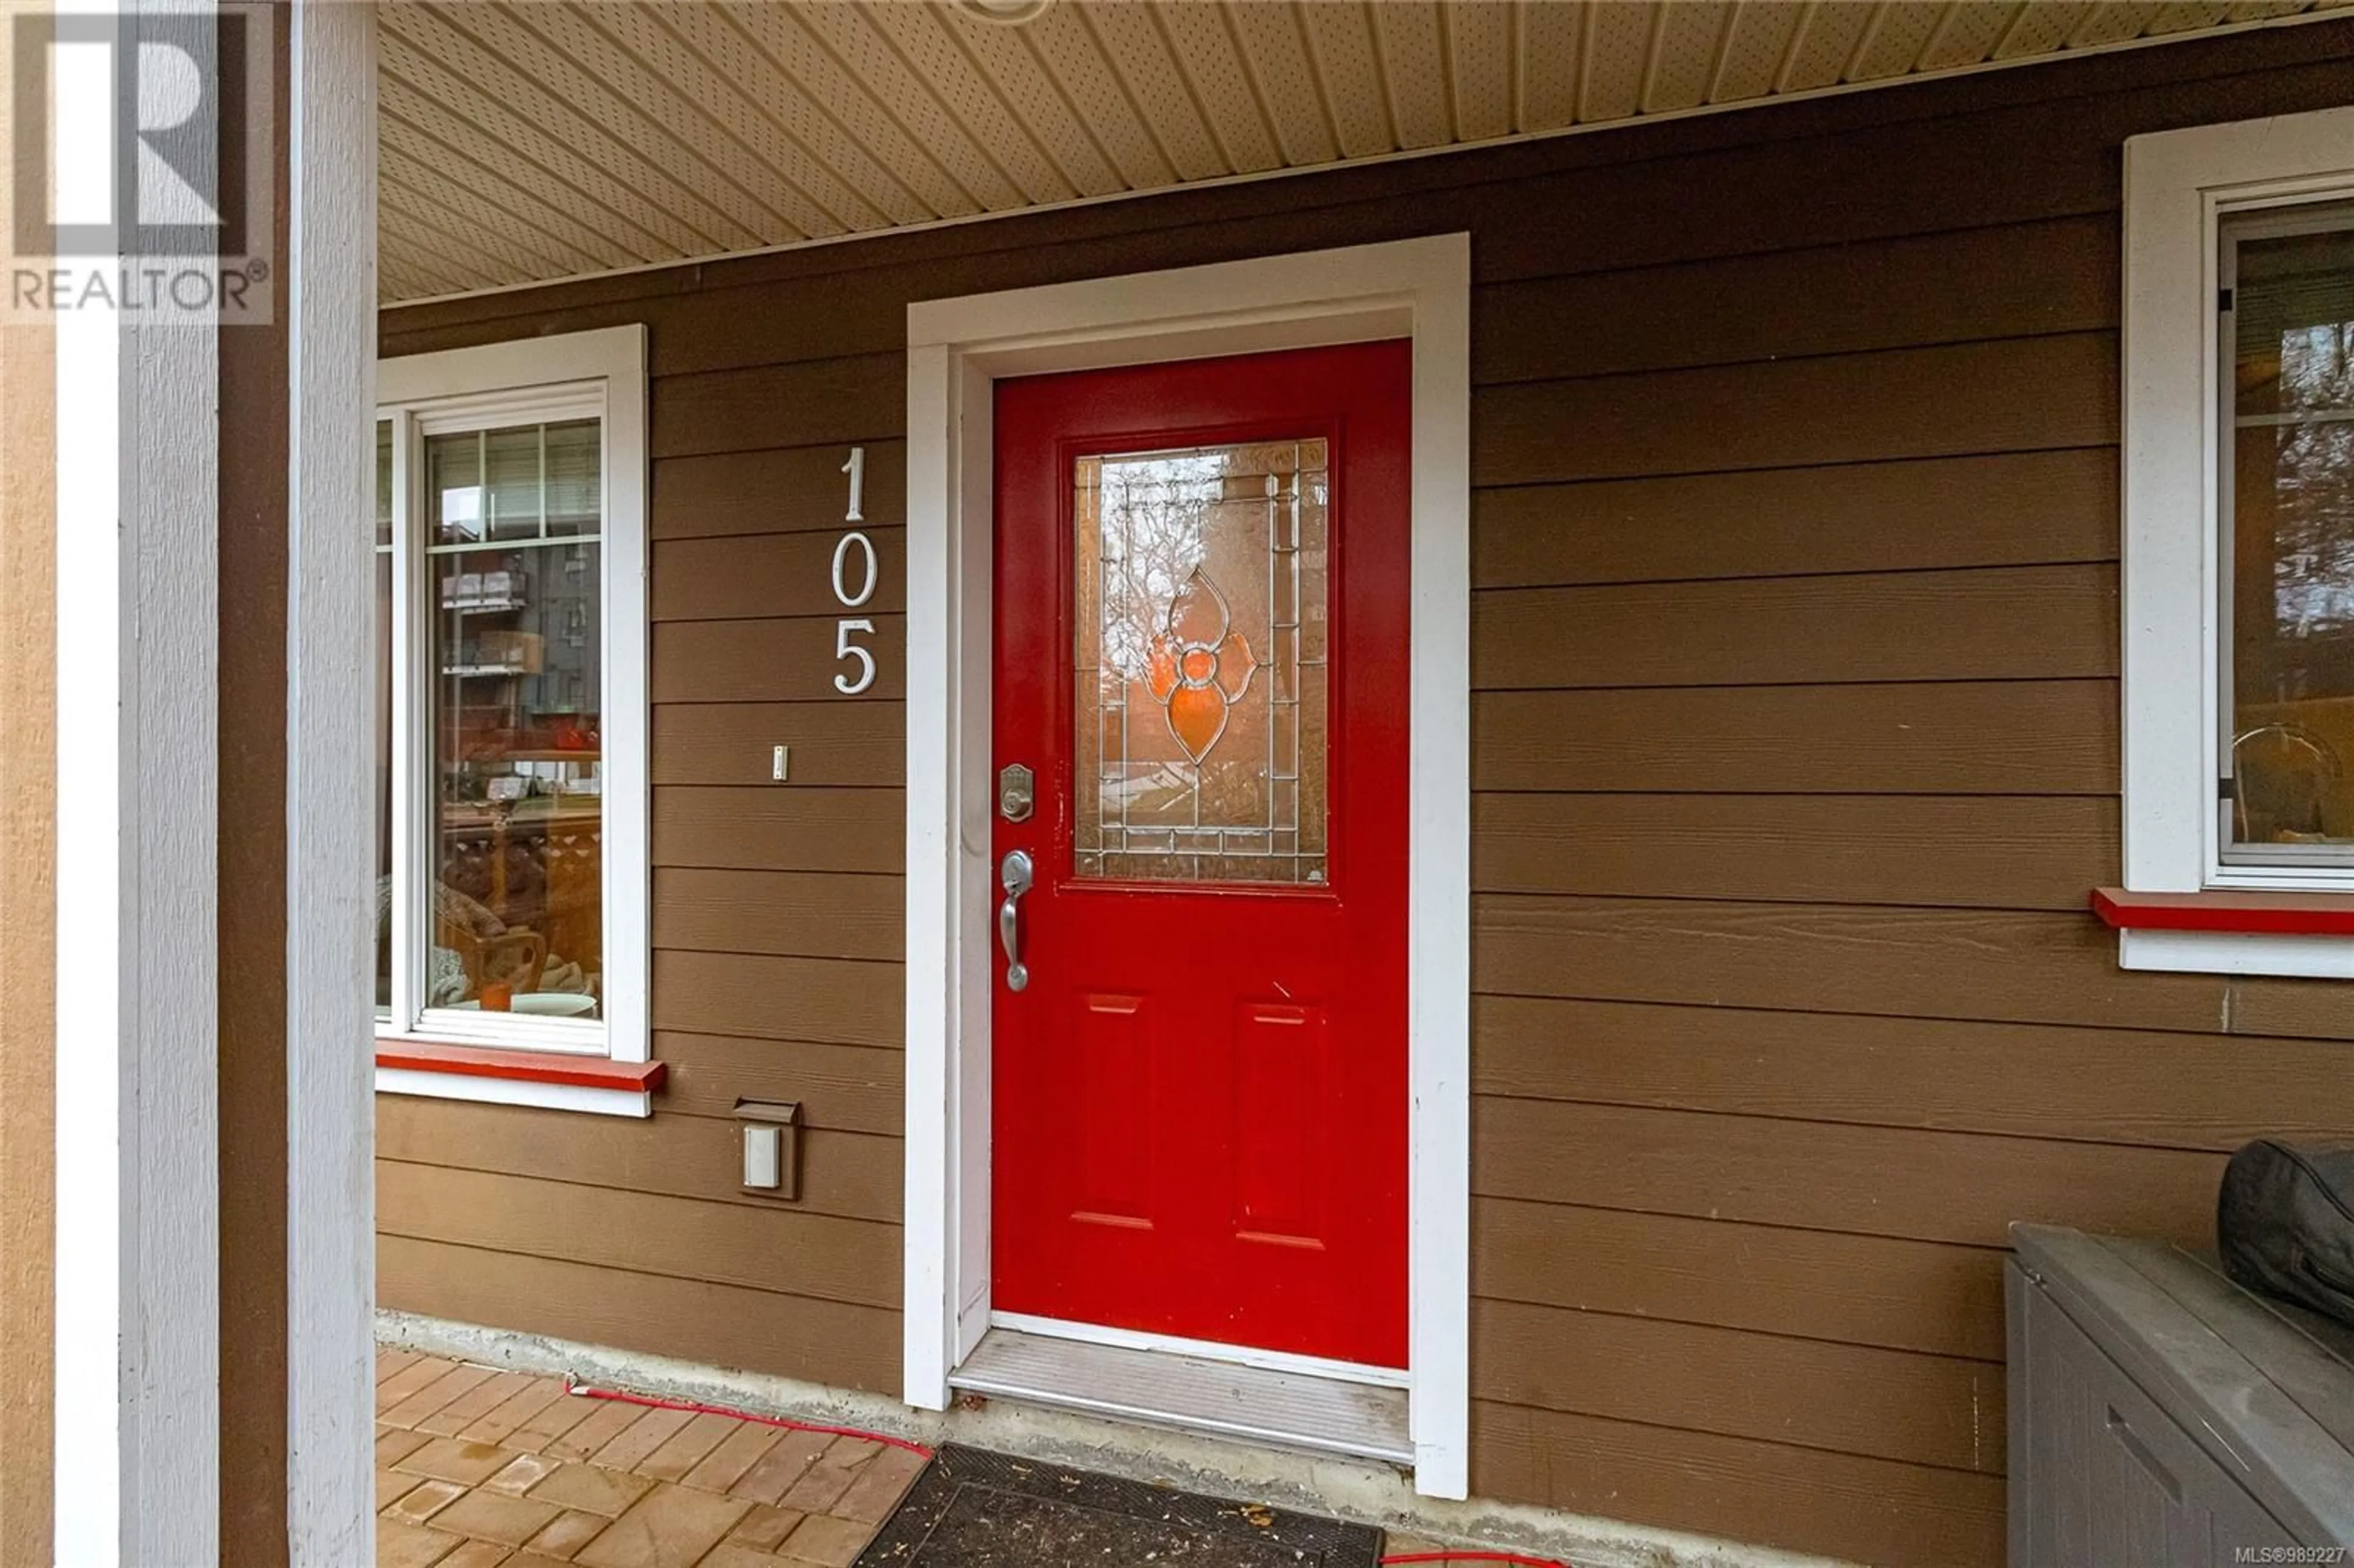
(564, 838)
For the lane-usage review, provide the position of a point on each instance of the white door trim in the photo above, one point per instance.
(1417, 288)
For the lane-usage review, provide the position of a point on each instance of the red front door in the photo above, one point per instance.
(1199, 1086)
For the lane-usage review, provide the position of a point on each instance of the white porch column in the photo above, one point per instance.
(330, 696)
(161, 418)
(138, 1303)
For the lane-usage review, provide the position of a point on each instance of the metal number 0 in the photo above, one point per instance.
(866, 588)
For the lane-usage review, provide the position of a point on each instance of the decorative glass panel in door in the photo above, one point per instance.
(1200, 699)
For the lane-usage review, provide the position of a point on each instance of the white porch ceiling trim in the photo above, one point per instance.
(521, 142)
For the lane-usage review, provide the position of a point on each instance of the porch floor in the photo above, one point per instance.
(479, 1469)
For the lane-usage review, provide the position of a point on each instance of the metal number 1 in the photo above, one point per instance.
(857, 469)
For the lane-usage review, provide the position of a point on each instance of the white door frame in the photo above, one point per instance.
(1416, 288)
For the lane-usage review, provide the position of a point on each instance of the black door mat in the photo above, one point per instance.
(973, 1509)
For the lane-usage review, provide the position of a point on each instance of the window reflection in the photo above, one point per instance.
(514, 659)
(2291, 506)
(383, 718)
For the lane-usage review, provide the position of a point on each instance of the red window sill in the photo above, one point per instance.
(520, 1067)
(2252, 914)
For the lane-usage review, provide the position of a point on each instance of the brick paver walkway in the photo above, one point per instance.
(478, 1468)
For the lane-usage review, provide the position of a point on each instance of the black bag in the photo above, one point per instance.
(2285, 1223)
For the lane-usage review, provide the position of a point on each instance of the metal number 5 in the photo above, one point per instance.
(843, 648)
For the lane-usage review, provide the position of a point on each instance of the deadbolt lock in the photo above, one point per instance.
(1016, 792)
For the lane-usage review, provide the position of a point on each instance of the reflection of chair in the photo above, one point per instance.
(2281, 777)
(478, 955)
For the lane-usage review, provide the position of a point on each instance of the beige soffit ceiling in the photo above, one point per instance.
(522, 140)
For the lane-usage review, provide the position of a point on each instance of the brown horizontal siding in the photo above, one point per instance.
(1967, 1188)
(1902, 1295)
(2115, 1086)
(831, 742)
(1832, 190)
(1796, 744)
(2033, 393)
(2004, 509)
(2021, 967)
(1943, 737)
(2023, 1080)
(777, 1248)
(2023, 280)
(850, 1175)
(1852, 1399)
(848, 1088)
(1893, 626)
(859, 399)
(2000, 852)
(798, 490)
(799, 914)
(750, 577)
(784, 661)
(1935, 176)
(836, 1343)
(1854, 1508)
(808, 827)
(843, 1001)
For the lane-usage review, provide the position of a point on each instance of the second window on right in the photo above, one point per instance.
(2288, 546)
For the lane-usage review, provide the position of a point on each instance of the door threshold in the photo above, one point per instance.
(1286, 1409)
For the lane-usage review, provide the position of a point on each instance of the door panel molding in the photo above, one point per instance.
(1418, 288)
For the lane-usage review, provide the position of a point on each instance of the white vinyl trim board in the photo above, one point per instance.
(1418, 288)
(2179, 186)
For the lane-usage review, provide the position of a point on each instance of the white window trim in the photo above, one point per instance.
(2179, 186)
(567, 375)
(1418, 288)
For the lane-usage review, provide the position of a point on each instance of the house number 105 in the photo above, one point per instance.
(853, 556)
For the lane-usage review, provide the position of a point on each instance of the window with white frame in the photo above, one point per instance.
(2285, 506)
(2239, 544)
(511, 864)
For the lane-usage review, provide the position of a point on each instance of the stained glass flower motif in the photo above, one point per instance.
(1201, 666)
(1201, 585)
